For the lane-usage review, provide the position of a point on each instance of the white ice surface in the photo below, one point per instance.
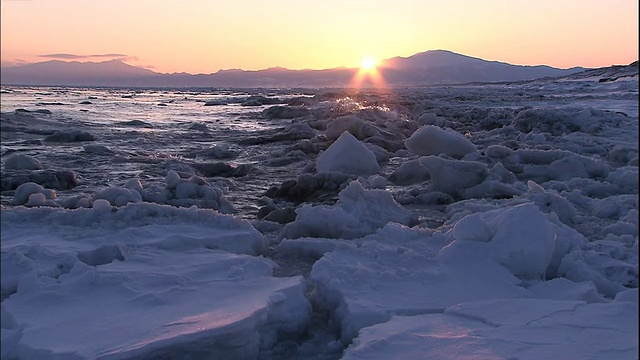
(507, 329)
(490, 256)
(144, 281)
(531, 250)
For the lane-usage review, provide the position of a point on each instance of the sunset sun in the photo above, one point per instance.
(368, 64)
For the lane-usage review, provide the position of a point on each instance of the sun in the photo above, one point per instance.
(368, 64)
(368, 75)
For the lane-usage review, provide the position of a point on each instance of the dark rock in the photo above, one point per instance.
(282, 216)
(50, 179)
(69, 136)
(284, 188)
(264, 211)
(285, 112)
(242, 170)
(215, 103)
(39, 111)
(136, 123)
(222, 169)
(258, 100)
(49, 104)
(271, 192)
(199, 127)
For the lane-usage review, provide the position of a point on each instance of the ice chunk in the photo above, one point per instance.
(399, 271)
(432, 140)
(521, 238)
(349, 156)
(410, 172)
(352, 124)
(358, 212)
(118, 196)
(453, 176)
(506, 329)
(144, 281)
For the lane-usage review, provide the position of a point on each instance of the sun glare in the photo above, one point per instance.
(368, 64)
(368, 75)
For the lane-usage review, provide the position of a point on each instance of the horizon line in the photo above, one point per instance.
(123, 60)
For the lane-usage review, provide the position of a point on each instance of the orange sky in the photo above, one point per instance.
(203, 36)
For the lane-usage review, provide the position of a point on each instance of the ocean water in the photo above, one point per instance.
(152, 131)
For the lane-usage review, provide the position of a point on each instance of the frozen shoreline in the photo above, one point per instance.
(490, 221)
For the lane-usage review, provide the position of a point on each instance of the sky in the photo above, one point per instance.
(204, 36)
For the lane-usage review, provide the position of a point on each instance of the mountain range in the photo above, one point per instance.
(426, 68)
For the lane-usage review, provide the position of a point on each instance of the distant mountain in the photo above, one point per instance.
(446, 67)
(55, 72)
(426, 68)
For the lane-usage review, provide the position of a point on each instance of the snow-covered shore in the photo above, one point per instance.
(490, 221)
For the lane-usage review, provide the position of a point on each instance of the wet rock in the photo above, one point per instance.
(282, 216)
(222, 169)
(22, 161)
(56, 179)
(283, 190)
(199, 127)
(69, 136)
(52, 179)
(39, 111)
(50, 104)
(258, 100)
(308, 187)
(215, 103)
(264, 211)
(285, 112)
(136, 123)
